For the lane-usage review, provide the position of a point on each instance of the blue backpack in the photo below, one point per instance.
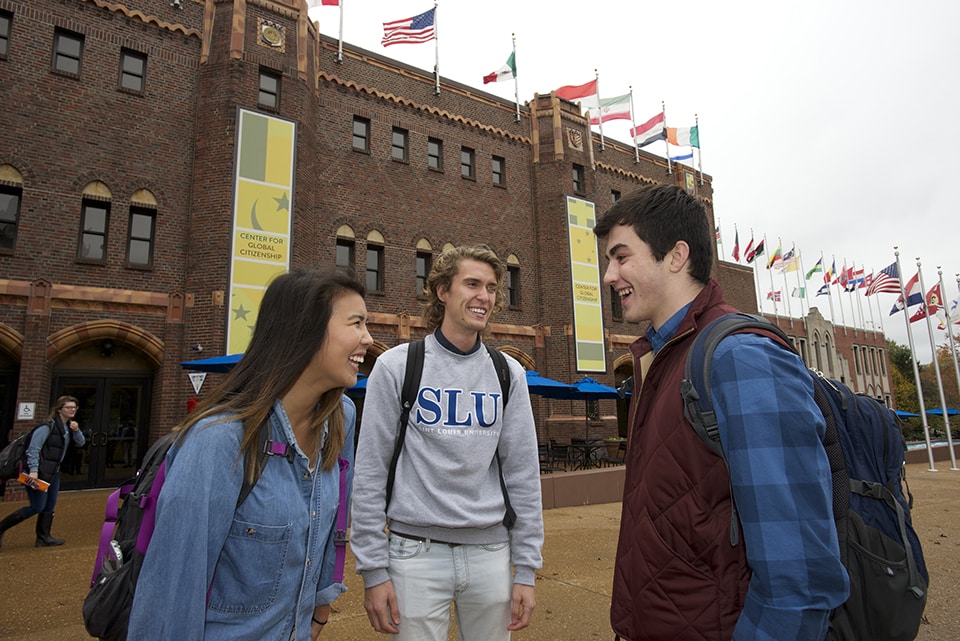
(878, 546)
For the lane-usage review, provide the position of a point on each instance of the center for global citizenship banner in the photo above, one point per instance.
(262, 202)
(585, 279)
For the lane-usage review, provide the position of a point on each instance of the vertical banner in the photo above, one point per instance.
(262, 202)
(585, 279)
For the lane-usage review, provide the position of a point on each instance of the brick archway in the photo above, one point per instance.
(11, 342)
(77, 337)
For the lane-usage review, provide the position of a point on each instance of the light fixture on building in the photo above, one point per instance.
(106, 348)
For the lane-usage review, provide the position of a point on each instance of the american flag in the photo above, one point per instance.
(886, 281)
(410, 30)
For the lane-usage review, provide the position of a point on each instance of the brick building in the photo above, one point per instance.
(124, 183)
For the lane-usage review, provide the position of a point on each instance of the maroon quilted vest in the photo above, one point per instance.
(677, 578)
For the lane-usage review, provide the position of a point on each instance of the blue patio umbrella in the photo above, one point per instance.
(547, 387)
(589, 388)
(902, 414)
(939, 411)
(214, 364)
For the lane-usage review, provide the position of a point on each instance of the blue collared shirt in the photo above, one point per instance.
(218, 572)
(771, 432)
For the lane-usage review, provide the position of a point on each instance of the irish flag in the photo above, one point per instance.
(684, 136)
(616, 108)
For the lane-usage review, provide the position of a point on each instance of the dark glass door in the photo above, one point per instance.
(113, 415)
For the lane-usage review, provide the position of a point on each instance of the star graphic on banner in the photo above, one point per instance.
(282, 202)
(241, 313)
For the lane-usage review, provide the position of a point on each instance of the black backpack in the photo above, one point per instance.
(878, 546)
(128, 528)
(13, 454)
(411, 384)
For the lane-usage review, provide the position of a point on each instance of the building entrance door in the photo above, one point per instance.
(114, 416)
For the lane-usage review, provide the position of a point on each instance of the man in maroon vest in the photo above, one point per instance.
(685, 570)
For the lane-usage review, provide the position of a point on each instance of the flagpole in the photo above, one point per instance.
(774, 295)
(936, 369)
(436, 49)
(880, 316)
(516, 86)
(720, 239)
(803, 286)
(856, 291)
(666, 143)
(340, 43)
(633, 120)
(953, 351)
(843, 317)
(756, 275)
(786, 286)
(696, 121)
(913, 360)
(829, 284)
(873, 323)
(599, 111)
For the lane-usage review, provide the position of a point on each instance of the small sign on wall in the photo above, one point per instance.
(26, 411)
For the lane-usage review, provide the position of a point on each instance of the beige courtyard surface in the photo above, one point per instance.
(573, 588)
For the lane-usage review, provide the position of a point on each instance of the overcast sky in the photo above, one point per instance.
(829, 125)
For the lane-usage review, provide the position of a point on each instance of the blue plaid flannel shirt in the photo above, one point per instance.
(770, 430)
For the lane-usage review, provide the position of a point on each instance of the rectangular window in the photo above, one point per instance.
(344, 258)
(133, 70)
(94, 221)
(67, 51)
(435, 154)
(140, 242)
(614, 195)
(269, 96)
(498, 166)
(361, 134)
(513, 285)
(579, 186)
(374, 268)
(856, 358)
(616, 305)
(882, 368)
(6, 21)
(399, 144)
(9, 217)
(867, 355)
(468, 167)
(424, 263)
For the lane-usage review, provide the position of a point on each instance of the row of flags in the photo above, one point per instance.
(601, 110)
(422, 28)
(850, 279)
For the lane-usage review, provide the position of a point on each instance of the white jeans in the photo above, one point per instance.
(429, 576)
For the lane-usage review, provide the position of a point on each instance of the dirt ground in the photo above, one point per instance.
(573, 588)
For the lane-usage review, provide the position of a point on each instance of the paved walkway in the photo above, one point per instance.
(573, 588)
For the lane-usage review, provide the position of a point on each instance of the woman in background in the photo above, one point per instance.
(45, 454)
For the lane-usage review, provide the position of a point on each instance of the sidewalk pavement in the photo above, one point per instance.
(573, 588)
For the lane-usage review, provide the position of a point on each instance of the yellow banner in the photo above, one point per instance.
(262, 206)
(585, 282)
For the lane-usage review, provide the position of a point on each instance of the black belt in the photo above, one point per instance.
(424, 539)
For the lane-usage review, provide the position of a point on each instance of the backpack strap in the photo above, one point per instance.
(411, 381)
(340, 538)
(695, 386)
(503, 373)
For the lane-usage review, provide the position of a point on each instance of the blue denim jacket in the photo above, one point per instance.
(266, 564)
